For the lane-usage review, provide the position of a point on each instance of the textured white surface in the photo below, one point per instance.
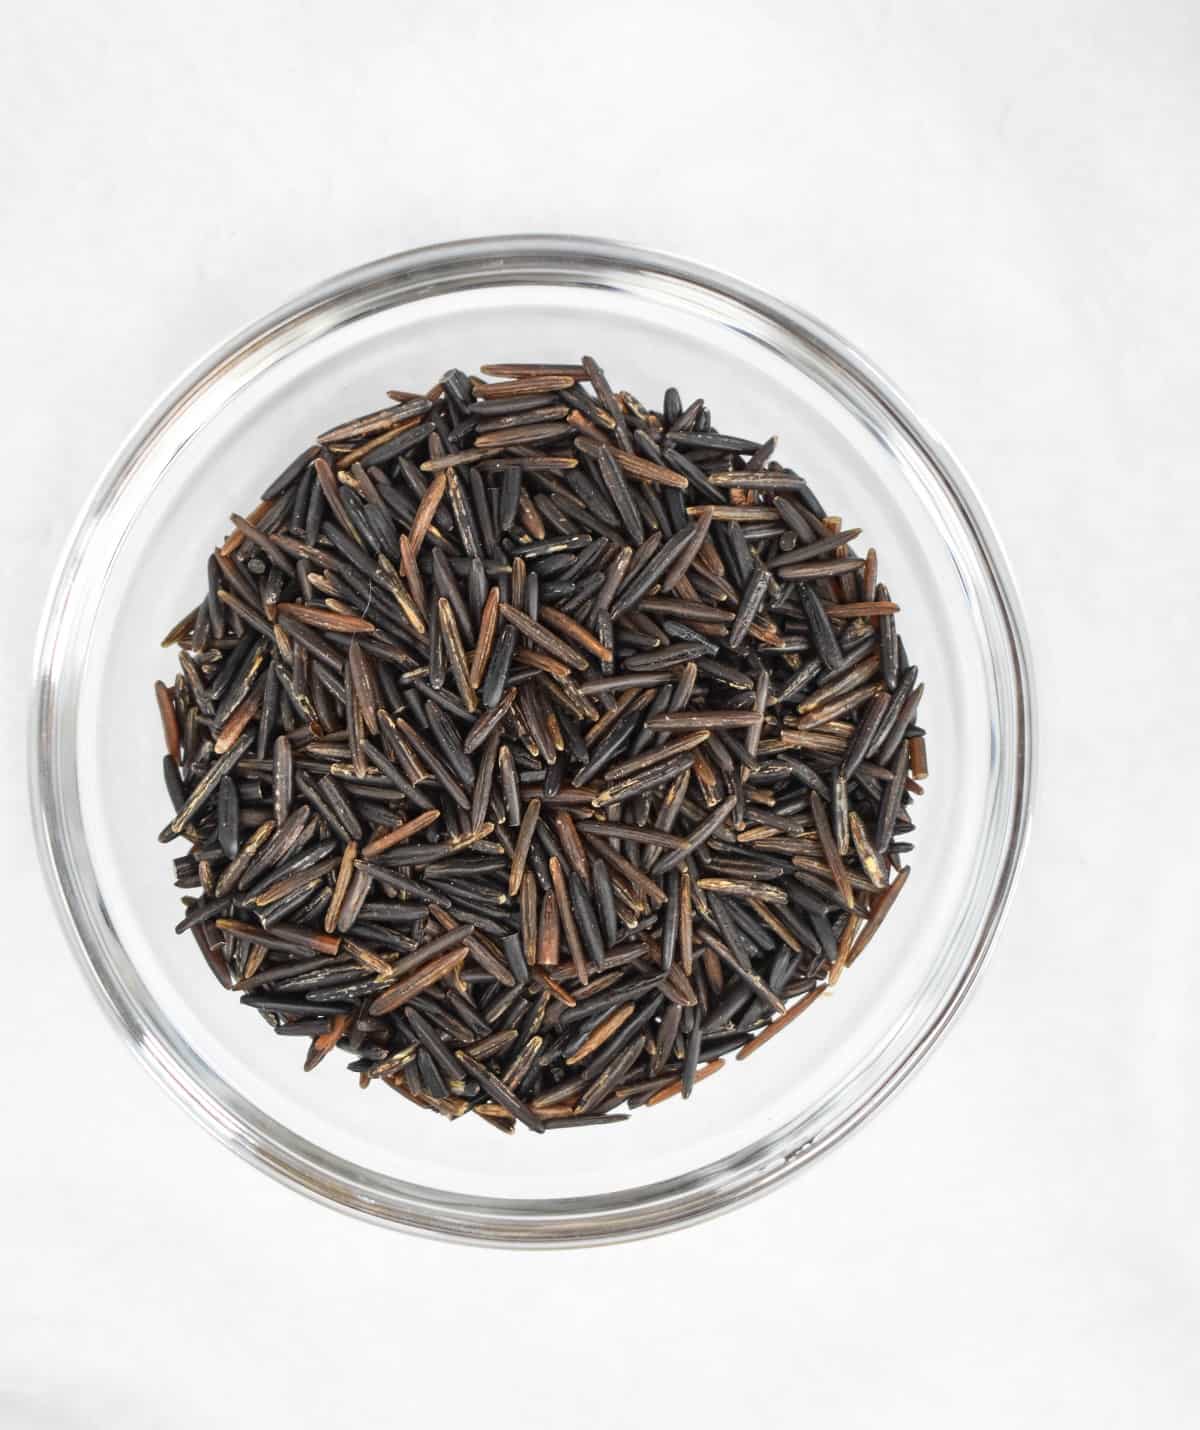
(999, 203)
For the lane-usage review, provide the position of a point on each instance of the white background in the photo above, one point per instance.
(1000, 204)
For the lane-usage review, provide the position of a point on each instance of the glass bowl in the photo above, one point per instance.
(136, 561)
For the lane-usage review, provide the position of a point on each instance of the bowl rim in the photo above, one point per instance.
(574, 1221)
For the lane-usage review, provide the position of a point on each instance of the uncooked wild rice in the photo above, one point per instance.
(538, 749)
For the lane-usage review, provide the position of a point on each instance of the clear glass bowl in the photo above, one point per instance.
(136, 561)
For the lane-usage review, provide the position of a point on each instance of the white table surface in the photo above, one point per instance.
(1000, 204)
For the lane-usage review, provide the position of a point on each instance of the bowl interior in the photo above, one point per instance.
(142, 566)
